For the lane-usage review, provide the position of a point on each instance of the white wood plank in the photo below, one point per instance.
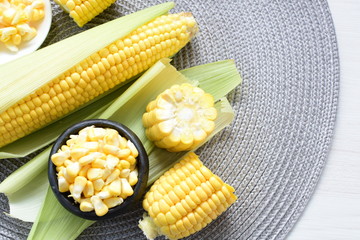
(334, 210)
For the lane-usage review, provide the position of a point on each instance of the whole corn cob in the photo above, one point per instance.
(83, 11)
(180, 118)
(184, 200)
(101, 71)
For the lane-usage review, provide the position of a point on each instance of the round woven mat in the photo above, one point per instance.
(275, 150)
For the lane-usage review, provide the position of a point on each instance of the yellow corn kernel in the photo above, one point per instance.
(182, 207)
(78, 187)
(59, 170)
(115, 187)
(88, 189)
(73, 169)
(126, 189)
(66, 176)
(112, 137)
(91, 146)
(65, 148)
(98, 184)
(132, 148)
(114, 175)
(113, 202)
(67, 162)
(180, 118)
(95, 134)
(133, 177)
(111, 149)
(86, 205)
(122, 143)
(16, 39)
(131, 160)
(123, 164)
(8, 15)
(87, 159)
(59, 158)
(77, 153)
(100, 207)
(124, 173)
(124, 153)
(64, 100)
(111, 162)
(83, 170)
(98, 163)
(95, 173)
(105, 193)
(63, 184)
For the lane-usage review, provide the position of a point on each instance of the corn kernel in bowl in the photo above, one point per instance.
(97, 167)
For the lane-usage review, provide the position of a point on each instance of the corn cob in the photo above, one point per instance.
(184, 200)
(180, 118)
(103, 70)
(83, 11)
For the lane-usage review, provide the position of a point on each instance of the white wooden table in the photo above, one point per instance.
(334, 210)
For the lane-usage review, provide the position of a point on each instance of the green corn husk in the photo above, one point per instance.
(223, 74)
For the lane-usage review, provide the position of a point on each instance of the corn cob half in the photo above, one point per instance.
(103, 70)
(83, 11)
(180, 118)
(184, 200)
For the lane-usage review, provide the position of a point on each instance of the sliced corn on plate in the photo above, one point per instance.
(17, 17)
(24, 25)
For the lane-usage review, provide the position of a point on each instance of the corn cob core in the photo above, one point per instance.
(82, 11)
(185, 199)
(103, 70)
(180, 118)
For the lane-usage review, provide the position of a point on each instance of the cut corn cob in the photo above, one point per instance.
(180, 118)
(103, 70)
(83, 11)
(184, 200)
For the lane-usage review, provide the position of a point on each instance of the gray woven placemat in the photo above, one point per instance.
(275, 150)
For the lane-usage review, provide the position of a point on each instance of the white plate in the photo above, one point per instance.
(42, 27)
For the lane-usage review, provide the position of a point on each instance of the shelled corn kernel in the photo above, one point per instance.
(184, 200)
(103, 70)
(180, 118)
(83, 11)
(16, 20)
(98, 168)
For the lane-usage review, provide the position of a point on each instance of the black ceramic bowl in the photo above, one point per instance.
(142, 166)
